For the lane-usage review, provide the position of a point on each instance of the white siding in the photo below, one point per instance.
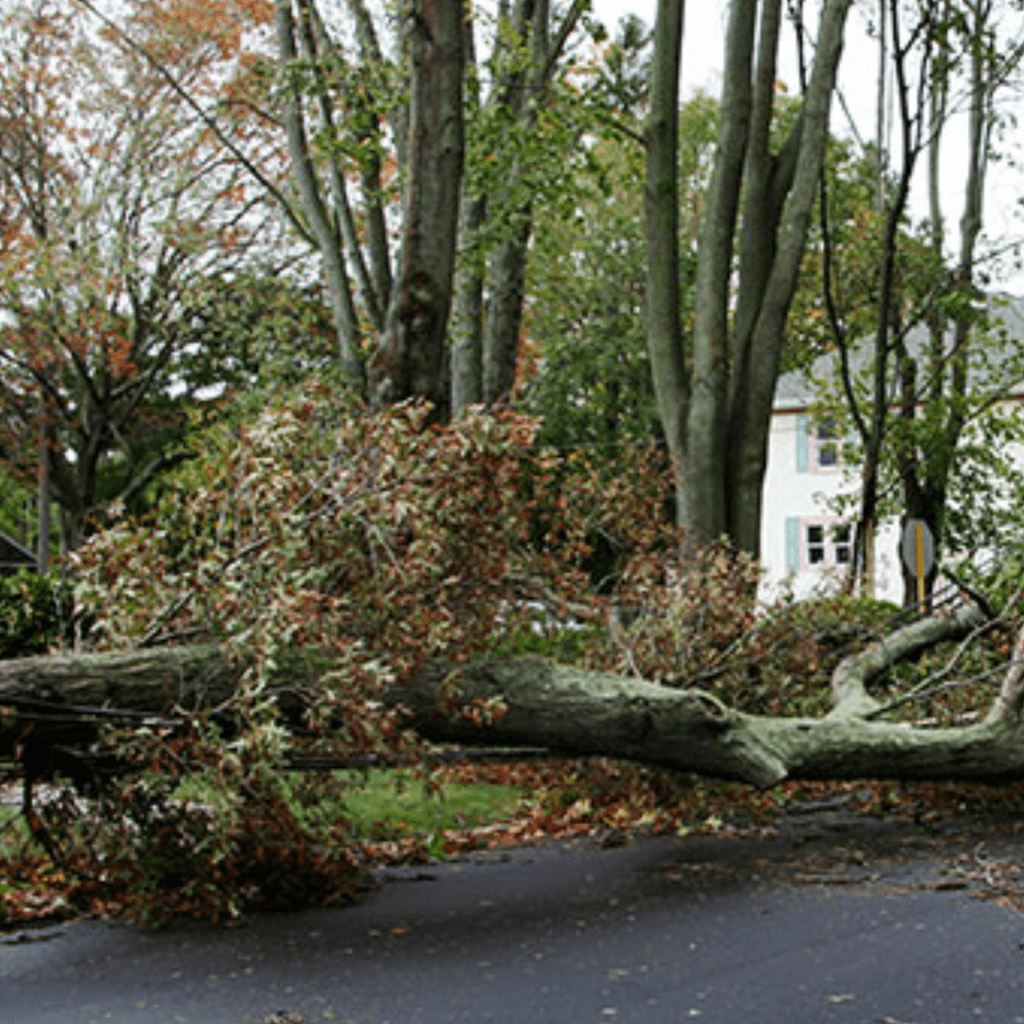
(795, 491)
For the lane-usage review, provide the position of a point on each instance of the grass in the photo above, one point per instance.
(389, 812)
(13, 830)
(390, 801)
(385, 803)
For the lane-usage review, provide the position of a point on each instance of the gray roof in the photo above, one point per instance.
(797, 390)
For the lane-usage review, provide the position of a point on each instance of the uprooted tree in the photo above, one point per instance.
(383, 589)
(532, 701)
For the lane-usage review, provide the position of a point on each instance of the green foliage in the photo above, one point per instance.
(975, 466)
(588, 377)
(586, 371)
(35, 613)
(256, 839)
(251, 331)
(694, 621)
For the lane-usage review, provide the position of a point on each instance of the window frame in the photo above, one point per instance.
(832, 548)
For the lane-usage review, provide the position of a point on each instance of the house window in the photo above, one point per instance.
(815, 546)
(818, 543)
(827, 446)
(827, 544)
(842, 541)
(817, 445)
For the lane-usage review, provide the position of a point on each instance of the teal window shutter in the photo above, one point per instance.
(792, 544)
(803, 443)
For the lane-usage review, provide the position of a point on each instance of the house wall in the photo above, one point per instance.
(796, 492)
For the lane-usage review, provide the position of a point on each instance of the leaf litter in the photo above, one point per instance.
(611, 803)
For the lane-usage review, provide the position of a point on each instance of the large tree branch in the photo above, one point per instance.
(316, 45)
(326, 234)
(534, 702)
(855, 674)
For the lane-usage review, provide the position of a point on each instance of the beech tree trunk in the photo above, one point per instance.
(580, 712)
(412, 360)
(661, 209)
(325, 231)
(717, 422)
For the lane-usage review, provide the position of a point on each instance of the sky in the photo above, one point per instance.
(703, 48)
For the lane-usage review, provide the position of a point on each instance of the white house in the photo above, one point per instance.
(804, 545)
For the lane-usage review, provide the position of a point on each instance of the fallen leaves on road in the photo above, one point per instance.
(612, 803)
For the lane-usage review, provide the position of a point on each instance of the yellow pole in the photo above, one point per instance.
(919, 562)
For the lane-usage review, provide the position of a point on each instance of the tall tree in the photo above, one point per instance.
(414, 361)
(715, 401)
(871, 423)
(110, 206)
(936, 406)
(380, 123)
(944, 387)
(521, 130)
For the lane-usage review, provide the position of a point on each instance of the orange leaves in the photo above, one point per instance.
(175, 30)
(118, 350)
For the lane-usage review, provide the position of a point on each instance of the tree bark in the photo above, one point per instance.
(726, 406)
(794, 183)
(325, 231)
(707, 454)
(467, 318)
(43, 506)
(413, 360)
(661, 207)
(507, 269)
(574, 711)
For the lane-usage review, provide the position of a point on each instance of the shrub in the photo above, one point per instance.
(35, 613)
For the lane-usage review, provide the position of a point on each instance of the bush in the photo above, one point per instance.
(35, 614)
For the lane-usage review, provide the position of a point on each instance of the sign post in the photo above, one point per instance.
(918, 550)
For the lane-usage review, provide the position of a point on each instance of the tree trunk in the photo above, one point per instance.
(507, 270)
(506, 282)
(706, 427)
(787, 198)
(413, 359)
(580, 712)
(467, 321)
(720, 418)
(467, 318)
(43, 490)
(325, 231)
(661, 206)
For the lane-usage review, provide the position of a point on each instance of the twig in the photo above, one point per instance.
(927, 687)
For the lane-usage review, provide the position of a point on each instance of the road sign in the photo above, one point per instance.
(918, 549)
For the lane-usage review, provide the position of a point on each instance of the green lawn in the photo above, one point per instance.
(386, 804)
(458, 805)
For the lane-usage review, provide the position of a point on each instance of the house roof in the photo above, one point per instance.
(798, 389)
(13, 556)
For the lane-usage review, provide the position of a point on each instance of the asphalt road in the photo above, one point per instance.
(839, 919)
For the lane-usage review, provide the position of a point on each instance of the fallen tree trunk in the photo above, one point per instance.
(535, 702)
(154, 680)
